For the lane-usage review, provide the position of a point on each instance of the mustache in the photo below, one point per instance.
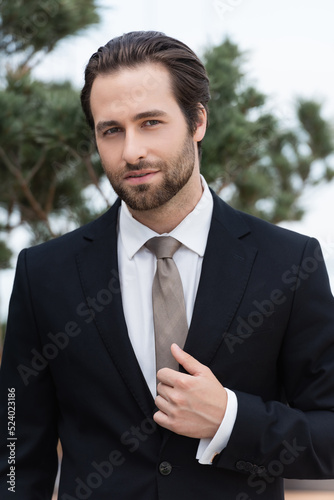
(142, 165)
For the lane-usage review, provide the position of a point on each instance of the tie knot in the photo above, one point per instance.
(163, 247)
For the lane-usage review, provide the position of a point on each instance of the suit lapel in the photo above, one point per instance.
(225, 272)
(98, 268)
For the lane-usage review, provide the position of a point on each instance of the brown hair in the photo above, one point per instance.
(190, 82)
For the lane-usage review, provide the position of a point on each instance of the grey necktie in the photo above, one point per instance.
(169, 312)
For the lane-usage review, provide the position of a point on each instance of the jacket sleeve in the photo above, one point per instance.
(28, 410)
(293, 439)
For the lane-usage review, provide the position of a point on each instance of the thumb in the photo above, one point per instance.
(189, 363)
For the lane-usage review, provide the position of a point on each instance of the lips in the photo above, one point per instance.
(140, 176)
(139, 173)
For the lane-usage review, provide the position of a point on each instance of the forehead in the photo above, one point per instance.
(132, 90)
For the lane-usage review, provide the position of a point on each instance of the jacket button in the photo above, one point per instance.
(165, 468)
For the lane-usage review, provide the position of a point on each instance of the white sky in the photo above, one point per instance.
(290, 46)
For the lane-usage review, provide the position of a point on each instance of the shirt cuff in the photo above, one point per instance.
(209, 448)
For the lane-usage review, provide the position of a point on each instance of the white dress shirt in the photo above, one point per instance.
(137, 266)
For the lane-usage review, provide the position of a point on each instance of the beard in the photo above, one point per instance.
(176, 173)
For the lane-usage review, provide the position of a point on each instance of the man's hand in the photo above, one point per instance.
(192, 405)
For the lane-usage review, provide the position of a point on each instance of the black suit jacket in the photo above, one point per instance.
(263, 322)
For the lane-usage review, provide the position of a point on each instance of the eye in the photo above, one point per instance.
(151, 123)
(112, 131)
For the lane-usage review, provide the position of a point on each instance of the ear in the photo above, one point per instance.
(201, 124)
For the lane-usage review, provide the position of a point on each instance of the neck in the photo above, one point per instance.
(165, 218)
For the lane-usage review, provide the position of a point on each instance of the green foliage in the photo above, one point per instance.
(320, 137)
(247, 150)
(38, 25)
(5, 255)
(47, 157)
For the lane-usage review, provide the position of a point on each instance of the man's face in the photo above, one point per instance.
(142, 136)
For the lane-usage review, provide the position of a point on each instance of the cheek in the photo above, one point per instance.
(167, 143)
(110, 154)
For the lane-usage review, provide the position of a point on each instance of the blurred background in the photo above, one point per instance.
(269, 149)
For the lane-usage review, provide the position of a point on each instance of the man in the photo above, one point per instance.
(253, 400)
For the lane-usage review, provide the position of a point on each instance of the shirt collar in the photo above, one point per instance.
(192, 231)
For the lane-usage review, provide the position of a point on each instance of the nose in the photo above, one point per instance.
(134, 148)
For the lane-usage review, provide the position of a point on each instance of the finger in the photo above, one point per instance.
(164, 391)
(161, 419)
(162, 404)
(167, 376)
(189, 363)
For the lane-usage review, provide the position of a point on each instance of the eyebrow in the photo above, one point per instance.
(154, 113)
(150, 114)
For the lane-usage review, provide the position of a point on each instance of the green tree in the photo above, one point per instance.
(5, 255)
(247, 149)
(47, 157)
(31, 28)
